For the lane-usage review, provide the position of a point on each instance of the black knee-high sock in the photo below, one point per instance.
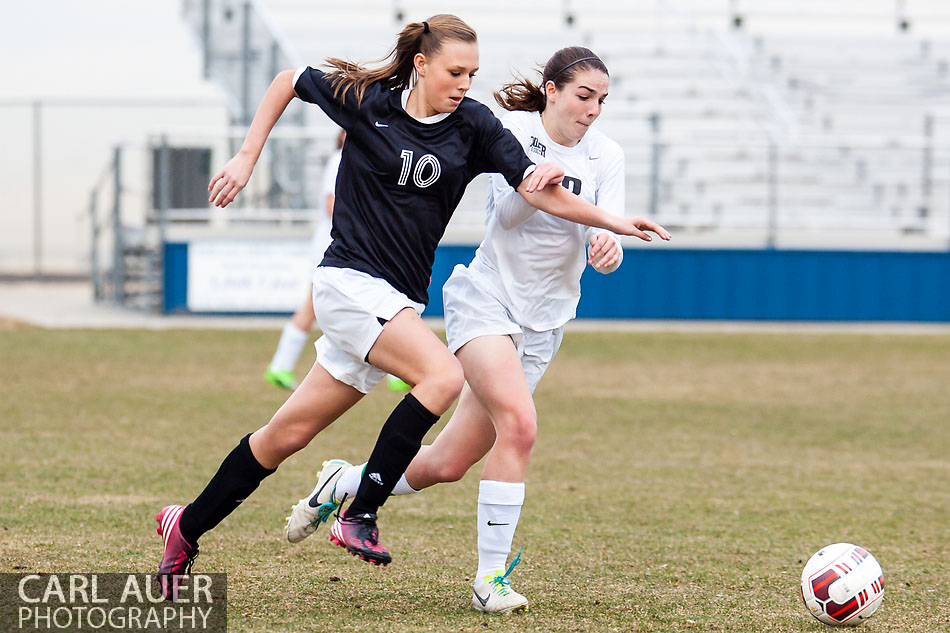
(238, 476)
(398, 442)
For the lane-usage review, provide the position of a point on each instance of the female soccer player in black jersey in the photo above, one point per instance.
(413, 143)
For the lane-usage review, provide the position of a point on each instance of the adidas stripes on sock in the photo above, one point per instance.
(398, 442)
(238, 476)
(349, 483)
(499, 508)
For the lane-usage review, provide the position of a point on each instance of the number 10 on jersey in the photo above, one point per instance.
(418, 178)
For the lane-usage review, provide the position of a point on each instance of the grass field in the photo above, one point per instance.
(679, 483)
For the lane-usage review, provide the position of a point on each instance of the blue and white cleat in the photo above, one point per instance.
(319, 505)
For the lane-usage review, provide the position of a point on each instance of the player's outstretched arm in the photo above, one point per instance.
(233, 177)
(558, 201)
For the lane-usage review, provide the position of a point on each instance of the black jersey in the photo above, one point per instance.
(400, 179)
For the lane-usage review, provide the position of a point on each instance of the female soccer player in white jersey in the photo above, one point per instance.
(413, 143)
(505, 312)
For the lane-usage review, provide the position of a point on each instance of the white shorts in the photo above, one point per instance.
(348, 305)
(473, 310)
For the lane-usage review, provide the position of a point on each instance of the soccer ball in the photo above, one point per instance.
(842, 585)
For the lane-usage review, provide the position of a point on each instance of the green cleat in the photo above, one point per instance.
(396, 384)
(282, 379)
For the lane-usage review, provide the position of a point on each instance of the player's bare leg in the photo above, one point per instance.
(314, 405)
(406, 348)
(494, 372)
(466, 438)
(409, 349)
(498, 394)
(319, 401)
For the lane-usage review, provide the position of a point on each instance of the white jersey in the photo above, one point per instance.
(321, 227)
(535, 260)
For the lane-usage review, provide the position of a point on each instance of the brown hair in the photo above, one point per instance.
(426, 37)
(522, 94)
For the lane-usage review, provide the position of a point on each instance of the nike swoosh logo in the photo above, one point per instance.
(378, 124)
(494, 524)
(484, 600)
(593, 157)
(313, 500)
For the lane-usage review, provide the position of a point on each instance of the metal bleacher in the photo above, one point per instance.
(756, 115)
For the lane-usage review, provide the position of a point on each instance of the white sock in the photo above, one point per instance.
(499, 507)
(403, 488)
(288, 351)
(349, 483)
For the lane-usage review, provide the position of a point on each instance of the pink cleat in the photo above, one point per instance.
(360, 537)
(179, 554)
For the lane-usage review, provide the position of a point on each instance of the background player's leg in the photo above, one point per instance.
(293, 337)
(304, 318)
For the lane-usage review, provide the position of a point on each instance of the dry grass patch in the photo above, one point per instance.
(679, 481)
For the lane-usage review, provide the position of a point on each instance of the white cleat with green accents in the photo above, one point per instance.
(495, 595)
(319, 505)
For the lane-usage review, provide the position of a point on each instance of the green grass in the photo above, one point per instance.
(679, 483)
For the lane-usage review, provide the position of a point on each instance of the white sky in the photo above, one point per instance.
(67, 48)
(104, 50)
